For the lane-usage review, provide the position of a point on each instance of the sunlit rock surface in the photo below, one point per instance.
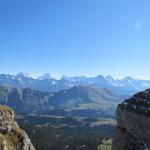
(11, 136)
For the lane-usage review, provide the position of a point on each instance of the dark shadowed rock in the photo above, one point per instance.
(133, 123)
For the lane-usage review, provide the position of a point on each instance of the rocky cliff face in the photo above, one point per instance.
(11, 136)
(133, 123)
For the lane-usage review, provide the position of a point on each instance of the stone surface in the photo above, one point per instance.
(11, 136)
(133, 123)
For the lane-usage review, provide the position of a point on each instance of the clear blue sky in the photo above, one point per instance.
(75, 37)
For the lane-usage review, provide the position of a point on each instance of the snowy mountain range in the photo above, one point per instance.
(46, 82)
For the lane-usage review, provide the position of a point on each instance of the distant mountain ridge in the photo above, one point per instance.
(46, 82)
(77, 101)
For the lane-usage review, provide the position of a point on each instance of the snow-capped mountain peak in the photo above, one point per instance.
(45, 76)
(111, 80)
(126, 85)
(24, 75)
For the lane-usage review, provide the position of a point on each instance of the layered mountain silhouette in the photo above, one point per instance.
(76, 101)
(46, 82)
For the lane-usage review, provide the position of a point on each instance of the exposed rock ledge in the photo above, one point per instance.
(11, 136)
(133, 123)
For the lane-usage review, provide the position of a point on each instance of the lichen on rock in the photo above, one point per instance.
(11, 136)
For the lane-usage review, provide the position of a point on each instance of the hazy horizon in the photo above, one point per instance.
(33, 75)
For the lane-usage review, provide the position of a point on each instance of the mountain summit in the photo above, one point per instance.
(125, 86)
(45, 76)
(23, 75)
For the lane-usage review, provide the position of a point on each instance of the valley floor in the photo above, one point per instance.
(68, 133)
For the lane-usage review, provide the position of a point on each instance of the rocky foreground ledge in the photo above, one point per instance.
(133, 123)
(11, 136)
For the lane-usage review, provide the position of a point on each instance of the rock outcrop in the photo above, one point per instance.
(11, 136)
(133, 123)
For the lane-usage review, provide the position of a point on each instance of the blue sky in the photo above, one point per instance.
(75, 37)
